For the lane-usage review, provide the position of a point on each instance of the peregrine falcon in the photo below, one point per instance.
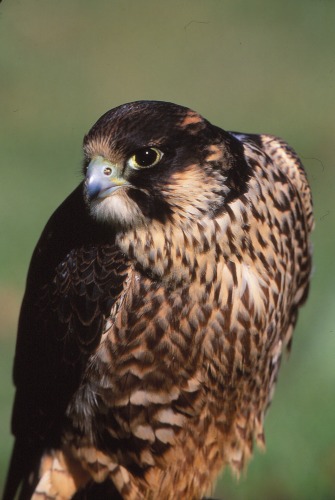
(159, 300)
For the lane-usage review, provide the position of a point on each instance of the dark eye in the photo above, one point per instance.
(144, 158)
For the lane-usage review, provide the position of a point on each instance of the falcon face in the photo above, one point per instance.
(158, 161)
(159, 300)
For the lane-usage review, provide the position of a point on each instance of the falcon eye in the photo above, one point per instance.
(144, 158)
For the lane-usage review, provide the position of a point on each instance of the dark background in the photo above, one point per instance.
(260, 66)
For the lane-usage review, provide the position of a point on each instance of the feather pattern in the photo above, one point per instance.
(150, 340)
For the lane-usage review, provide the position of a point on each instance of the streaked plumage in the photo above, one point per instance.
(159, 300)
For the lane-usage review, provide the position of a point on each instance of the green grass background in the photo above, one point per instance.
(253, 66)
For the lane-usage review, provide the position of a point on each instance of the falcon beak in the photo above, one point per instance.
(103, 178)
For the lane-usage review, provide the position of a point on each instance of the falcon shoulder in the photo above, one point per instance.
(292, 199)
(75, 278)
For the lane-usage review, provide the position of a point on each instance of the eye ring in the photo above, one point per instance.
(145, 158)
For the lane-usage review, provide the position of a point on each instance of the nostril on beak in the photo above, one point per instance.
(102, 179)
(107, 171)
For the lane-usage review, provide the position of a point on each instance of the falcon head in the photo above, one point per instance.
(153, 160)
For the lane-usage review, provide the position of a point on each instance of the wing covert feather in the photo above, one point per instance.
(75, 278)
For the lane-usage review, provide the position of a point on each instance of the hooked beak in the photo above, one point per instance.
(103, 178)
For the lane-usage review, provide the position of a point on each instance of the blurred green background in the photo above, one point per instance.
(260, 66)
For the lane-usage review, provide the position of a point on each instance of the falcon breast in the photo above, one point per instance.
(159, 300)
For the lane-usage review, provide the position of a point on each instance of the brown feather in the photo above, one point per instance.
(175, 322)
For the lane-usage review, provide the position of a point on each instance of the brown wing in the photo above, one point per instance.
(301, 204)
(289, 163)
(74, 279)
(289, 199)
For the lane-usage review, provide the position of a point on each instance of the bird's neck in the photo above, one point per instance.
(177, 252)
